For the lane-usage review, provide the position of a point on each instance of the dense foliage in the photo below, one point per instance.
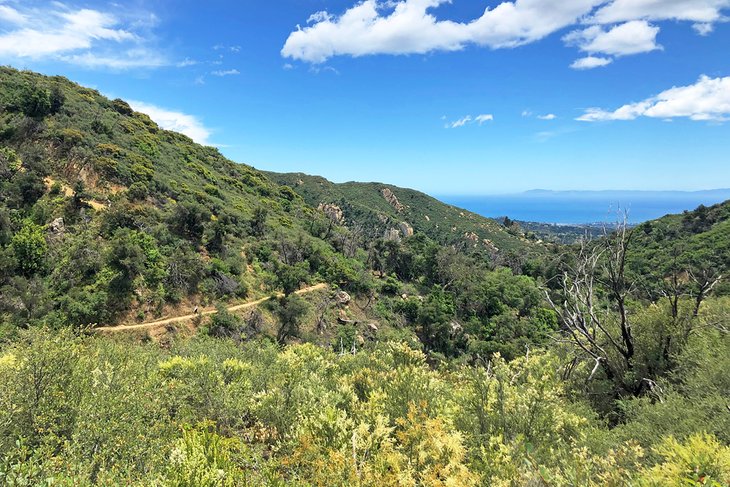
(210, 412)
(106, 218)
(438, 349)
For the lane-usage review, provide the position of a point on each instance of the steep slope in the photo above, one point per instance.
(102, 212)
(105, 218)
(389, 210)
(694, 246)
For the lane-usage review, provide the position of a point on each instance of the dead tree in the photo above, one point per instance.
(604, 335)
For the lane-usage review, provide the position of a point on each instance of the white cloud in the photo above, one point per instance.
(480, 119)
(186, 62)
(703, 29)
(608, 27)
(176, 121)
(85, 36)
(227, 72)
(707, 99)
(549, 116)
(590, 62)
(705, 11)
(219, 47)
(406, 27)
(628, 38)
(468, 119)
(133, 58)
(321, 16)
(9, 14)
(460, 122)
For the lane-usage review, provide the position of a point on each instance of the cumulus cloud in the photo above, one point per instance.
(703, 29)
(707, 99)
(85, 36)
(407, 27)
(609, 27)
(176, 121)
(590, 62)
(549, 116)
(469, 119)
(624, 39)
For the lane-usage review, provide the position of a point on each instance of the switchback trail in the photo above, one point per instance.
(177, 319)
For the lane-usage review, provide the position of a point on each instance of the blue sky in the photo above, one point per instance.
(466, 97)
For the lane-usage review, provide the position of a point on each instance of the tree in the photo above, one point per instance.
(290, 310)
(127, 258)
(290, 277)
(188, 220)
(606, 338)
(258, 222)
(30, 248)
(10, 163)
(36, 102)
(224, 324)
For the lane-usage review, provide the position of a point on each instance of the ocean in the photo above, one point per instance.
(580, 207)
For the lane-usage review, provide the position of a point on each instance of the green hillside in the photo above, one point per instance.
(103, 212)
(370, 205)
(106, 218)
(684, 252)
(355, 334)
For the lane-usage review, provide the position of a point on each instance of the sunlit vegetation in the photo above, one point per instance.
(427, 356)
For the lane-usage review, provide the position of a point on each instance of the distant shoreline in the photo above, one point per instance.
(588, 208)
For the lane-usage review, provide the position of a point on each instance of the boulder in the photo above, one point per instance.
(342, 298)
(57, 226)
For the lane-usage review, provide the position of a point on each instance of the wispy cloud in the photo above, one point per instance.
(189, 125)
(548, 116)
(469, 119)
(223, 47)
(708, 99)
(87, 37)
(11, 15)
(227, 72)
(186, 62)
(317, 69)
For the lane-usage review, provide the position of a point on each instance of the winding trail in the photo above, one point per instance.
(206, 312)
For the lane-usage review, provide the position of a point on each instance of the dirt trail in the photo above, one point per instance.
(206, 312)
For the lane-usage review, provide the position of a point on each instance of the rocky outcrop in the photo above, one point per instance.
(342, 298)
(333, 212)
(57, 227)
(490, 245)
(391, 234)
(392, 199)
(406, 229)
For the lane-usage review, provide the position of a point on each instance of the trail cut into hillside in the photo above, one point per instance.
(205, 312)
